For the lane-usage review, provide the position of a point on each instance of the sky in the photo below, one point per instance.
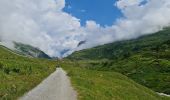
(58, 26)
(103, 12)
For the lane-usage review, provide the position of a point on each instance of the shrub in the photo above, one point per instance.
(167, 91)
(16, 70)
(13, 89)
(29, 70)
(7, 70)
(70, 73)
(1, 66)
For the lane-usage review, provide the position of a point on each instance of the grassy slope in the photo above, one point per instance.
(19, 74)
(29, 50)
(104, 85)
(122, 48)
(146, 60)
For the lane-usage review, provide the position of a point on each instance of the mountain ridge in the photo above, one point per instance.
(29, 50)
(146, 60)
(135, 44)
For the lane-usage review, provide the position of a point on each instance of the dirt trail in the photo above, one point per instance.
(56, 87)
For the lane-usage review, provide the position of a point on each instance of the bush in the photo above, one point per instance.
(167, 91)
(7, 70)
(1, 66)
(13, 89)
(16, 70)
(70, 73)
(30, 70)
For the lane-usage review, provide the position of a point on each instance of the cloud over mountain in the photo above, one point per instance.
(40, 23)
(140, 17)
(43, 23)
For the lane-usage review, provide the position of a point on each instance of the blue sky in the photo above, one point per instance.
(102, 12)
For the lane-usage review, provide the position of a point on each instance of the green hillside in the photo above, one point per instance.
(29, 50)
(123, 49)
(105, 85)
(19, 74)
(146, 60)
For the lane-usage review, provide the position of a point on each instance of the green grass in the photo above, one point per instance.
(146, 60)
(19, 74)
(105, 85)
(145, 70)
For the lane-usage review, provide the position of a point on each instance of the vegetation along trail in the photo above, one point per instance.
(56, 87)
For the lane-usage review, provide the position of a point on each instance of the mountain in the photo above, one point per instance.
(146, 59)
(123, 48)
(29, 50)
(64, 51)
(81, 43)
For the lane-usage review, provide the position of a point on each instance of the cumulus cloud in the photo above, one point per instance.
(40, 23)
(44, 24)
(140, 17)
(143, 19)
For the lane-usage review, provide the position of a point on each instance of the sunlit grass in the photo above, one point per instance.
(19, 74)
(106, 85)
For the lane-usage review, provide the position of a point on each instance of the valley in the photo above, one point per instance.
(127, 70)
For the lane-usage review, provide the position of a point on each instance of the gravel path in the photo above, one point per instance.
(56, 87)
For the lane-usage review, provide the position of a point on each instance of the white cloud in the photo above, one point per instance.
(127, 3)
(140, 17)
(42, 23)
(144, 19)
